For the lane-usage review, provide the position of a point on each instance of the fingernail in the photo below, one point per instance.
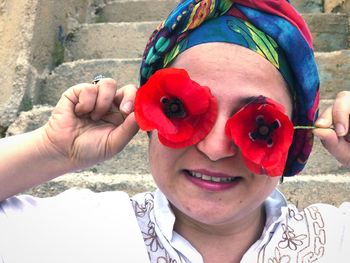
(321, 122)
(340, 129)
(127, 107)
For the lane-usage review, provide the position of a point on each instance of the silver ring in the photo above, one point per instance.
(97, 79)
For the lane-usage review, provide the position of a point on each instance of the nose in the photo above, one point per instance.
(216, 145)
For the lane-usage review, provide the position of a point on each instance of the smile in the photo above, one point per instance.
(208, 178)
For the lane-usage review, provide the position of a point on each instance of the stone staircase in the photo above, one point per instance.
(111, 43)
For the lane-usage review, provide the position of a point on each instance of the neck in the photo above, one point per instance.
(226, 242)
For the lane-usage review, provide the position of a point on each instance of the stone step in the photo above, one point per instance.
(308, 6)
(128, 40)
(120, 40)
(130, 183)
(334, 70)
(132, 11)
(327, 188)
(152, 10)
(125, 71)
(330, 31)
(134, 158)
(299, 190)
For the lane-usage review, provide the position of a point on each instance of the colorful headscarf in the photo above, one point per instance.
(272, 28)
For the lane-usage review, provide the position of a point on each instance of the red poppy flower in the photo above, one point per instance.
(264, 134)
(180, 109)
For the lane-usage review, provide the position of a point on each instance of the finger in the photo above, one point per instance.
(125, 98)
(329, 140)
(325, 119)
(328, 137)
(341, 113)
(74, 101)
(121, 136)
(106, 92)
(69, 98)
(116, 118)
(86, 95)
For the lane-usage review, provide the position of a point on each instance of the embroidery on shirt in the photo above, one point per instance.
(300, 238)
(290, 239)
(143, 209)
(166, 259)
(151, 238)
(293, 213)
(156, 250)
(279, 258)
(317, 236)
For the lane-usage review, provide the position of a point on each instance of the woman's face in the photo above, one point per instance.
(191, 177)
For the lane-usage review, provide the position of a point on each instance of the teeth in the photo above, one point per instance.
(212, 179)
(198, 175)
(206, 178)
(215, 179)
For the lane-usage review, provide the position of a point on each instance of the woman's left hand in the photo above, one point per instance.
(332, 127)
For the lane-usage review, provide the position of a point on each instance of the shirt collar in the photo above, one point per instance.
(164, 215)
(165, 218)
(273, 207)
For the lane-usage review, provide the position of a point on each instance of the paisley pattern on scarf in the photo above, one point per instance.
(289, 48)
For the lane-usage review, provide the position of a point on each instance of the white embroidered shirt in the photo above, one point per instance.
(319, 233)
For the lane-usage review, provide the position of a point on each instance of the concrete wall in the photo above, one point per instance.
(28, 48)
(16, 23)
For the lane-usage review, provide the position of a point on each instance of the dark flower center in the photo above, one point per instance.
(263, 130)
(173, 108)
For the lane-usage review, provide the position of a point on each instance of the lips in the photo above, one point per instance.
(212, 182)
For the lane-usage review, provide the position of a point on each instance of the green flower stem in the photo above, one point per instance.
(301, 127)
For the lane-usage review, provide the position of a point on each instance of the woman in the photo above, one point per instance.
(215, 202)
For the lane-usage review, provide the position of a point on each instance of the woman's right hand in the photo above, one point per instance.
(91, 123)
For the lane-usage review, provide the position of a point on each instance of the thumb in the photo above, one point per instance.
(328, 137)
(122, 135)
(337, 146)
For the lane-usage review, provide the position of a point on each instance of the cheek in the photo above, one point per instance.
(157, 167)
(266, 184)
(161, 158)
(162, 166)
(160, 154)
(153, 152)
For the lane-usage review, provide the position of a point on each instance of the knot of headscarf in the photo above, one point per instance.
(272, 28)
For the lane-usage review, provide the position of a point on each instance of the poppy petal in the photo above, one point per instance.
(180, 109)
(264, 133)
